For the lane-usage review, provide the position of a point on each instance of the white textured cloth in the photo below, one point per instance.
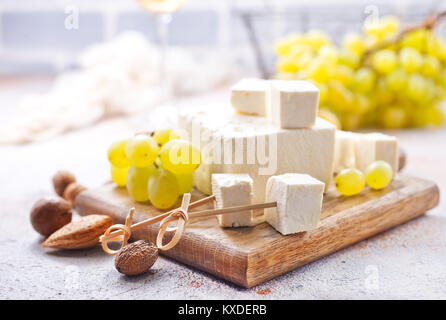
(119, 77)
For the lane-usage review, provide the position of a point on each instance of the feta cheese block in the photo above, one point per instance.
(249, 96)
(293, 103)
(235, 143)
(233, 190)
(299, 202)
(344, 150)
(376, 146)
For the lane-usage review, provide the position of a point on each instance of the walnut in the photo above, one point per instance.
(136, 258)
(50, 214)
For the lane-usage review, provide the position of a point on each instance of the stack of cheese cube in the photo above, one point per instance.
(270, 129)
(269, 145)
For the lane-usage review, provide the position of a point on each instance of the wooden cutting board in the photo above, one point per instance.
(251, 255)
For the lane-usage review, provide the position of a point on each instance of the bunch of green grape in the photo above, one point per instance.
(155, 168)
(377, 78)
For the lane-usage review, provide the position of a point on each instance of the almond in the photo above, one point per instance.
(79, 234)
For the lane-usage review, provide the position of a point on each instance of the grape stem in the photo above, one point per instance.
(428, 23)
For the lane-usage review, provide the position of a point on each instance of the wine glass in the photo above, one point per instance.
(162, 11)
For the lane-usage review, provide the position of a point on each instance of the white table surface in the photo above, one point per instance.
(406, 262)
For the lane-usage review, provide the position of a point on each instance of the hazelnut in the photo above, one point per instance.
(136, 258)
(61, 180)
(50, 214)
(72, 191)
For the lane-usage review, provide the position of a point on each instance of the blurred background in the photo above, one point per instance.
(82, 61)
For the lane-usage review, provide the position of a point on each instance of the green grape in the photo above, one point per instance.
(141, 150)
(116, 154)
(431, 67)
(163, 189)
(362, 104)
(416, 39)
(319, 70)
(435, 116)
(329, 54)
(298, 50)
(119, 175)
(435, 46)
(349, 58)
(285, 64)
(282, 47)
(417, 87)
(382, 94)
(316, 39)
(383, 28)
(350, 182)
(378, 175)
(364, 80)
(394, 117)
(396, 80)
(323, 92)
(326, 114)
(185, 182)
(350, 121)
(162, 136)
(441, 79)
(340, 97)
(385, 61)
(343, 74)
(180, 156)
(410, 59)
(390, 25)
(137, 182)
(303, 60)
(419, 117)
(354, 42)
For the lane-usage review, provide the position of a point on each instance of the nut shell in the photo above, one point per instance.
(72, 191)
(80, 234)
(61, 180)
(50, 214)
(136, 258)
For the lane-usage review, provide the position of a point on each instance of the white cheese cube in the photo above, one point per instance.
(344, 150)
(376, 146)
(265, 149)
(299, 202)
(249, 96)
(203, 178)
(233, 190)
(294, 103)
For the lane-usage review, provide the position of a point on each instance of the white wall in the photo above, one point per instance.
(33, 36)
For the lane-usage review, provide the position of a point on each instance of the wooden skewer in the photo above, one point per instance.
(123, 232)
(197, 214)
(213, 212)
(115, 235)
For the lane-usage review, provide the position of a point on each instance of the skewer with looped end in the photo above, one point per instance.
(181, 216)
